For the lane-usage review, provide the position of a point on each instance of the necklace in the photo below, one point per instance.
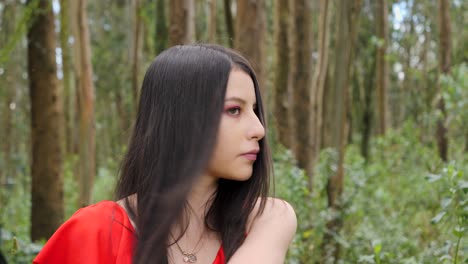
(189, 257)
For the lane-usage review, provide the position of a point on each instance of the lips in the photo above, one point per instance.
(251, 155)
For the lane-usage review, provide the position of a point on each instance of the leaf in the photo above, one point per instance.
(15, 246)
(463, 185)
(438, 217)
(377, 248)
(433, 177)
(366, 259)
(307, 233)
(446, 202)
(458, 231)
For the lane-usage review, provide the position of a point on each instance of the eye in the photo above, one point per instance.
(233, 111)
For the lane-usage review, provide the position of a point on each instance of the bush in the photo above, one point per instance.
(404, 205)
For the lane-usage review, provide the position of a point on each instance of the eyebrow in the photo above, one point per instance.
(239, 100)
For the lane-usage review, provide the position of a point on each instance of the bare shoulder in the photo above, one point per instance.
(276, 214)
(268, 234)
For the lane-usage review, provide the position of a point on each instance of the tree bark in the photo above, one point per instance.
(212, 22)
(9, 83)
(346, 19)
(282, 92)
(229, 22)
(85, 96)
(367, 116)
(301, 81)
(136, 52)
(161, 27)
(382, 65)
(250, 21)
(68, 84)
(354, 24)
(182, 22)
(318, 86)
(445, 49)
(46, 126)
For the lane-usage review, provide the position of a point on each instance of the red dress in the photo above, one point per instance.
(97, 234)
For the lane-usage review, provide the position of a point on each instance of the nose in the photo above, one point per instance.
(256, 130)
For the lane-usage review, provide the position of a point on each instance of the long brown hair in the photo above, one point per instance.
(178, 117)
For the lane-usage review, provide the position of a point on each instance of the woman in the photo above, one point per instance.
(193, 185)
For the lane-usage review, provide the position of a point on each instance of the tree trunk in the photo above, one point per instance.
(161, 27)
(9, 83)
(282, 82)
(327, 118)
(85, 96)
(407, 88)
(346, 11)
(68, 84)
(353, 20)
(318, 86)
(136, 52)
(46, 126)
(250, 21)
(367, 116)
(182, 22)
(301, 81)
(382, 65)
(229, 22)
(445, 49)
(212, 22)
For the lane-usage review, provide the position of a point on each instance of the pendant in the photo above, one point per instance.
(190, 258)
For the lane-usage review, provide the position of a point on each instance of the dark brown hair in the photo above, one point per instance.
(179, 113)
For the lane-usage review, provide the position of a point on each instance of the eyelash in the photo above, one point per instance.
(229, 110)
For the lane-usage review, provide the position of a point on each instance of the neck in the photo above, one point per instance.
(193, 223)
(202, 191)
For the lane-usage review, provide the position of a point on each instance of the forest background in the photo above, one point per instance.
(367, 109)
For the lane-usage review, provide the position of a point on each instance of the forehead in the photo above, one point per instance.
(240, 85)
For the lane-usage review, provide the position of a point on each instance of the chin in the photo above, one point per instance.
(235, 173)
(242, 177)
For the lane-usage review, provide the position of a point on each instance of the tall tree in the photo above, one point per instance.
(250, 35)
(229, 22)
(318, 86)
(8, 82)
(182, 22)
(67, 81)
(212, 21)
(445, 49)
(161, 27)
(136, 49)
(85, 96)
(346, 14)
(301, 72)
(382, 65)
(367, 115)
(282, 82)
(46, 126)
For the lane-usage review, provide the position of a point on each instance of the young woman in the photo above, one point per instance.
(194, 183)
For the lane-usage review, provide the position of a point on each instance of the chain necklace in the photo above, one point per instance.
(189, 257)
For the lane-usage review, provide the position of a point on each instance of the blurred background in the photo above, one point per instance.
(367, 106)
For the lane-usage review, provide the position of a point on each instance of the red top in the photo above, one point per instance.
(97, 234)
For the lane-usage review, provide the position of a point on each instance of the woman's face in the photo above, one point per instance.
(239, 132)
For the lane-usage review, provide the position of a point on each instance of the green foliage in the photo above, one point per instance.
(29, 13)
(105, 182)
(291, 185)
(15, 243)
(455, 94)
(402, 206)
(452, 217)
(15, 220)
